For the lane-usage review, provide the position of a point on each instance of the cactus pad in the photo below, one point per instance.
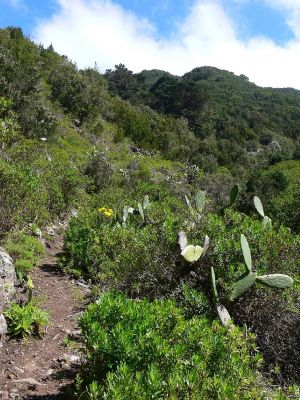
(200, 201)
(243, 285)
(223, 315)
(146, 202)
(234, 193)
(141, 211)
(192, 253)
(246, 252)
(277, 281)
(213, 282)
(258, 205)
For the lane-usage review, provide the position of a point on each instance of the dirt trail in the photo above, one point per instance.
(45, 369)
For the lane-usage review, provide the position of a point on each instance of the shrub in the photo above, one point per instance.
(99, 169)
(139, 257)
(25, 320)
(25, 250)
(141, 350)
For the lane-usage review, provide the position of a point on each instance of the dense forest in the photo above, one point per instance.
(145, 159)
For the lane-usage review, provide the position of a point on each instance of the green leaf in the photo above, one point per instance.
(234, 193)
(200, 201)
(243, 285)
(277, 281)
(246, 252)
(258, 205)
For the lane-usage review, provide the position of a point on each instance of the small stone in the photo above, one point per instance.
(20, 370)
(49, 231)
(50, 372)
(74, 359)
(65, 366)
(75, 335)
(30, 381)
(3, 325)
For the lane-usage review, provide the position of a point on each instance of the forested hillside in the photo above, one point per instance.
(195, 285)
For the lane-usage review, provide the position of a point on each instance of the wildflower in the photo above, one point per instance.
(107, 212)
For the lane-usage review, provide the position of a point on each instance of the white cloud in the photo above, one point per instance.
(102, 31)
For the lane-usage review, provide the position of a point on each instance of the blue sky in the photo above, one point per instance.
(259, 38)
(251, 17)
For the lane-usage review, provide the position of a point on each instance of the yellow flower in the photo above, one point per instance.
(107, 212)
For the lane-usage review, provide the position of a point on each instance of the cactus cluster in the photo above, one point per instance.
(193, 253)
(141, 208)
(276, 281)
(199, 201)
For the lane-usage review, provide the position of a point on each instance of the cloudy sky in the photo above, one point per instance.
(258, 38)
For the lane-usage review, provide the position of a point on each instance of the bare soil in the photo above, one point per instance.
(45, 368)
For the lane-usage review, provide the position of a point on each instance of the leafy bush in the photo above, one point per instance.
(25, 320)
(141, 350)
(25, 250)
(138, 257)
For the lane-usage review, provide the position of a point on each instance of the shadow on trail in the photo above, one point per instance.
(66, 393)
(53, 269)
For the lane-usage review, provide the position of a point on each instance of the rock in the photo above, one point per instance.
(19, 370)
(70, 359)
(30, 381)
(3, 326)
(74, 359)
(50, 372)
(7, 278)
(75, 335)
(49, 231)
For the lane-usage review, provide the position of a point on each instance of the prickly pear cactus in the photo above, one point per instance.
(277, 281)
(223, 315)
(234, 194)
(244, 284)
(141, 211)
(213, 283)
(258, 205)
(146, 202)
(246, 252)
(200, 201)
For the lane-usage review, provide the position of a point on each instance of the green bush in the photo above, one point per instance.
(25, 320)
(141, 350)
(139, 257)
(26, 251)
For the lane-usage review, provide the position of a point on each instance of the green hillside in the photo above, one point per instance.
(141, 158)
